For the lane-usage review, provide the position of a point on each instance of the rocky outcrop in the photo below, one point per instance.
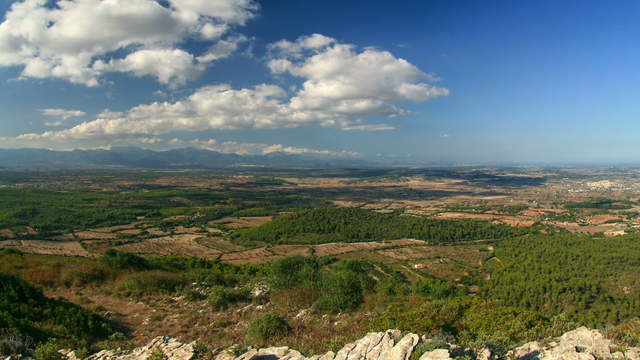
(171, 348)
(579, 344)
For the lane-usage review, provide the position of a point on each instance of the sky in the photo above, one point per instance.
(421, 81)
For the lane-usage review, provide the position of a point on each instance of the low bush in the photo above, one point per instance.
(84, 273)
(436, 288)
(150, 282)
(117, 340)
(12, 342)
(267, 326)
(340, 292)
(221, 297)
(627, 333)
(48, 350)
(295, 271)
(123, 260)
(157, 354)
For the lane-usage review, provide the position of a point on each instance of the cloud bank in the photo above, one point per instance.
(328, 83)
(77, 40)
(341, 87)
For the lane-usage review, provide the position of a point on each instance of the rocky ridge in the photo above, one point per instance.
(579, 344)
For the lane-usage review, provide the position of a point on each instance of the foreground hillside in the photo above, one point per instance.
(581, 343)
(536, 287)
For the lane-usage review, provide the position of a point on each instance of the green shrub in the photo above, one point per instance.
(508, 327)
(84, 273)
(391, 287)
(221, 297)
(115, 341)
(435, 288)
(157, 354)
(48, 350)
(423, 347)
(295, 271)
(422, 317)
(123, 260)
(267, 326)
(150, 282)
(200, 350)
(82, 352)
(340, 292)
(12, 342)
(627, 333)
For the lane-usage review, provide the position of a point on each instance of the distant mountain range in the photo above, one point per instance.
(187, 158)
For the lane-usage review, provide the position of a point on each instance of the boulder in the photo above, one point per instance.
(437, 354)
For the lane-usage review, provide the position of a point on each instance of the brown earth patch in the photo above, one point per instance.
(603, 218)
(249, 256)
(183, 244)
(46, 247)
(219, 244)
(130, 232)
(518, 222)
(459, 215)
(95, 235)
(7, 233)
(242, 222)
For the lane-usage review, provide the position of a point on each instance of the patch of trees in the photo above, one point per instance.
(592, 280)
(32, 315)
(325, 225)
(601, 203)
(53, 212)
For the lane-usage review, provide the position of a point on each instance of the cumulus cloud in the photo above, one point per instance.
(341, 87)
(76, 40)
(173, 67)
(242, 148)
(343, 82)
(61, 114)
(53, 123)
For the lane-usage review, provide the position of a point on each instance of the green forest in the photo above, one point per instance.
(325, 225)
(591, 280)
(54, 212)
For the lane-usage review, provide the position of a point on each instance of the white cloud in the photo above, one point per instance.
(222, 49)
(368, 127)
(74, 39)
(62, 114)
(296, 48)
(242, 148)
(341, 87)
(173, 67)
(342, 82)
(108, 114)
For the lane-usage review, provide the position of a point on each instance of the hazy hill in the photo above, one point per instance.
(178, 158)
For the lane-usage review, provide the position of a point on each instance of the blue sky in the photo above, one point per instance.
(463, 81)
